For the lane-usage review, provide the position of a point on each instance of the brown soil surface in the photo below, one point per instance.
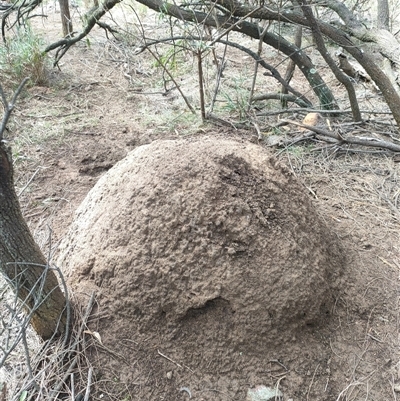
(67, 135)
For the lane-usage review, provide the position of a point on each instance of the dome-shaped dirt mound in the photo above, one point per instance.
(182, 225)
(210, 242)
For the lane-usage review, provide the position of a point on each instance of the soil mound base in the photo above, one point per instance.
(208, 246)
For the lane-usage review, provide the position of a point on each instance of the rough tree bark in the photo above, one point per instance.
(21, 260)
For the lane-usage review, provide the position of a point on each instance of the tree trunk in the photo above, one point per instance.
(340, 76)
(382, 21)
(66, 21)
(21, 260)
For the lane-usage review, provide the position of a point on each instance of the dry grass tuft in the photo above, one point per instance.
(34, 370)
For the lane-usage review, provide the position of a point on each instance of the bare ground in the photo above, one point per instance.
(92, 113)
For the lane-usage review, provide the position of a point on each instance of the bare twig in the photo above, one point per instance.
(339, 74)
(169, 359)
(72, 387)
(73, 347)
(199, 55)
(274, 72)
(91, 18)
(221, 68)
(291, 65)
(9, 107)
(89, 383)
(28, 183)
(172, 79)
(259, 51)
(312, 381)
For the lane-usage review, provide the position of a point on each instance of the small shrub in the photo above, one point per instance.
(22, 57)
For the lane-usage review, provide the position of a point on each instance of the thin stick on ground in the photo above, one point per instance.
(89, 383)
(352, 140)
(169, 359)
(259, 51)
(312, 381)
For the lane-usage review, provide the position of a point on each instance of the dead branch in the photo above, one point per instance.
(254, 80)
(22, 8)
(282, 97)
(91, 18)
(9, 107)
(351, 140)
(291, 66)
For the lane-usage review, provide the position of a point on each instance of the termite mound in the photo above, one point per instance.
(202, 245)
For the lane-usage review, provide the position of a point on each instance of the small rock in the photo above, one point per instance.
(311, 119)
(263, 393)
(169, 375)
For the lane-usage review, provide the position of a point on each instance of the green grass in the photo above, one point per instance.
(235, 96)
(22, 56)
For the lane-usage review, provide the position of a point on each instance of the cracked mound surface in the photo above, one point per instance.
(203, 243)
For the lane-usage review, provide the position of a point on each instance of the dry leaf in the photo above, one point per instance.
(95, 334)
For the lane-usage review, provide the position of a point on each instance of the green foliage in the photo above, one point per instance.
(299, 151)
(236, 97)
(23, 396)
(22, 57)
(170, 59)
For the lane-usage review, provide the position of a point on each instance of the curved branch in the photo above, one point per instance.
(342, 11)
(341, 38)
(91, 18)
(252, 30)
(274, 72)
(22, 9)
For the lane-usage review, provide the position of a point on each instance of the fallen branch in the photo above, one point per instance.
(352, 140)
(282, 97)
